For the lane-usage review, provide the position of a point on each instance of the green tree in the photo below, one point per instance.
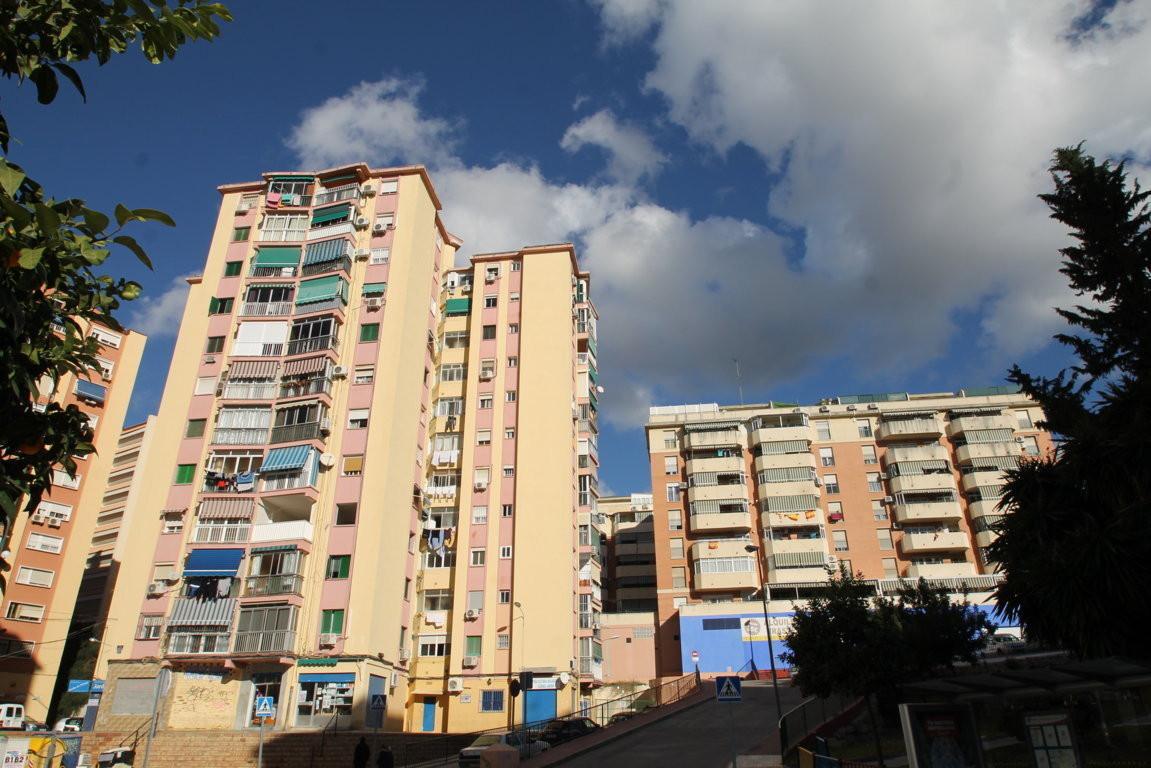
(1075, 551)
(52, 248)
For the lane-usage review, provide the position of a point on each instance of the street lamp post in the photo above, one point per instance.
(767, 628)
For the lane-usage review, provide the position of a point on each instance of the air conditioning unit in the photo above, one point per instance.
(466, 287)
(339, 371)
(455, 684)
(362, 253)
(106, 376)
(328, 639)
(481, 485)
(373, 303)
(325, 426)
(39, 518)
(487, 375)
(824, 409)
(888, 499)
(872, 407)
(405, 654)
(361, 222)
(155, 588)
(832, 562)
(471, 661)
(209, 359)
(394, 679)
(471, 614)
(244, 206)
(367, 190)
(489, 278)
(54, 522)
(852, 408)
(379, 228)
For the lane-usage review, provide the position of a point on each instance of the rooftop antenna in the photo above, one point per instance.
(738, 379)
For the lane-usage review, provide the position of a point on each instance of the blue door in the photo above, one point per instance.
(539, 705)
(429, 713)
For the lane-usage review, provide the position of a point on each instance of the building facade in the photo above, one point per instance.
(630, 585)
(888, 486)
(372, 472)
(49, 548)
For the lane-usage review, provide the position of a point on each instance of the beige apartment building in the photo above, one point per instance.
(49, 548)
(893, 486)
(373, 467)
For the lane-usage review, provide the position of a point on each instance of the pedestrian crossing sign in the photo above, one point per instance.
(728, 689)
(265, 706)
(378, 702)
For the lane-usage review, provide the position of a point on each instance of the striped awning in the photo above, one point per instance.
(797, 503)
(287, 459)
(278, 256)
(989, 435)
(798, 559)
(253, 369)
(919, 414)
(777, 447)
(704, 478)
(292, 177)
(191, 611)
(375, 289)
(274, 548)
(457, 306)
(984, 411)
(324, 215)
(325, 250)
(229, 508)
(786, 474)
(173, 511)
(917, 467)
(305, 365)
(321, 289)
(714, 426)
(992, 463)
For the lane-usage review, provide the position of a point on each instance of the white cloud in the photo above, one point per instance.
(627, 19)
(377, 122)
(159, 316)
(631, 154)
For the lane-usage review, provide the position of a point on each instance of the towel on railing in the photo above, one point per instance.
(273, 199)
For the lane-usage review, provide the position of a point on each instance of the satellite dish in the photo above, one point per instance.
(327, 460)
(565, 678)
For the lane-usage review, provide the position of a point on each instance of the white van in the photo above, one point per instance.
(12, 717)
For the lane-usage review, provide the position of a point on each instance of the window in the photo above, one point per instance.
(676, 549)
(218, 306)
(479, 557)
(679, 577)
(385, 220)
(185, 473)
(481, 477)
(332, 621)
(150, 626)
(1030, 446)
(338, 566)
(509, 471)
(369, 332)
(513, 327)
(479, 515)
(195, 428)
(1023, 419)
(476, 601)
(358, 418)
(869, 454)
(491, 273)
(672, 491)
(453, 372)
(215, 344)
(352, 465)
(675, 520)
(834, 512)
(510, 433)
(823, 430)
(513, 296)
(483, 437)
(670, 466)
(285, 228)
(863, 426)
(449, 406)
(840, 540)
(878, 509)
(831, 483)
(233, 268)
(505, 553)
(510, 396)
(890, 568)
(874, 484)
(505, 596)
(489, 332)
(380, 256)
(346, 514)
(436, 600)
(485, 402)
(884, 536)
(434, 645)
(490, 701)
(42, 542)
(490, 302)
(205, 385)
(827, 457)
(34, 577)
(241, 235)
(506, 510)
(503, 642)
(513, 362)
(455, 339)
(24, 612)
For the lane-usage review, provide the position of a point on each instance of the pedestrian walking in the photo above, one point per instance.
(385, 759)
(362, 754)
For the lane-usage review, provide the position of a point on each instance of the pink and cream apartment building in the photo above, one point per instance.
(48, 549)
(373, 472)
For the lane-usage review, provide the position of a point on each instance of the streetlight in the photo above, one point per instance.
(767, 628)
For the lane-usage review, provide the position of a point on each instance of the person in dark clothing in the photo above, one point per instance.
(385, 759)
(362, 754)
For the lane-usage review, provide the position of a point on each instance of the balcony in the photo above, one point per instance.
(591, 667)
(342, 264)
(240, 436)
(336, 194)
(276, 641)
(805, 575)
(931, 452)
(220, 534)
(925, 427)
(985, 538)
(934, 481)
(940, 570)
(766, 434)
(722, 438)
(795, 519)
(257, 349)
(343, 228)
(959, 425)
(249, 390)
(931, 508)
(783, 460)
(716, 464)
(725, 492)
(724, 565)
(289, 530)
(808, 543)
(290, 433)
(272, 271)
(287, 481)
(722, 520)
(973, 480)
(943, 541)
(180, 643)
(266, 308)
(314, 344)
(321, 385)
(964, 454)
(790, 488)
(273, 584)
(983, 508)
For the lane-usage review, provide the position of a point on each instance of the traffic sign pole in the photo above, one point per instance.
(265, 708)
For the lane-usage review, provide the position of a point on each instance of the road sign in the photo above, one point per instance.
(728, 689)
(265, 706)
(378, 702)
(695, 657)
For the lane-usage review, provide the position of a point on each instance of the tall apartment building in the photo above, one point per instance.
(48, 549)
(629, 528)
(891, 486)
(370, 472)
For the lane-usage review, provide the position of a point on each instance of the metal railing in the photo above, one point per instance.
(342, 264)
(265, 271)
(240, 436)
(798, 723)
(257, 349)
(286, 482)
(320, 385)
(292, 432)
(220, 534)
(273, 584)
(265, 642)
(197, 642)
(312, 344)
(255, 390)
(336, 194)
(265, 308)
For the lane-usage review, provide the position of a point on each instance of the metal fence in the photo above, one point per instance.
(800, 722)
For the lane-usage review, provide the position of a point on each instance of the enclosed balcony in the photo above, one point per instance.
(798, 567)
(726, 574)
(1002, 448)
(716, 464)
(919, 506)
(266, 629)
(726, 434)
(936, 541)
(240, 435)
(303, 346)
(720, 514)
(182, 641)
(287, 530)
(940, 570)
(249, 389)
(778, 461)
(909, 425)
(327, 256)
(930, 481)
(303, 386)
(993, 419)
(925, 452)
(781, 427)
(273, 584)
(199, 626)
(336, 194)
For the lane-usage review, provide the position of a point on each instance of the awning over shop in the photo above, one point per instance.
(278, 256)
(213, 562)
(287, 459)
(328, 677)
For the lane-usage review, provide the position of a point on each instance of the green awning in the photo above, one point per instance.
(330, 662)
(341, 177)
(274, 548)
(321, 289)
(375, 289)
(593, 374)
(325, 250)
(278, 256)
(591, 345)
(331, 214)
(457, 307)
(304, 177)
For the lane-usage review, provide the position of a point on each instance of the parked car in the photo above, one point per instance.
(69, 724)
(559, 731)
(1001, 645)
(470, 755)
(623, 714)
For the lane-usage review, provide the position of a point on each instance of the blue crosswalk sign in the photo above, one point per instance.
(378, 702)
(265, 706)
(728, 689)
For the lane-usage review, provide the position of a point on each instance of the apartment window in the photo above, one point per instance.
(509, 471)
(380, 256)
(863, 426)
(831, 483)
(510, 433)
(233, 268)
(346, 514)
(453, 372)
(675, 520)
(338, 566)
(491, 273)
(485, 402)
(834, 512)
(670, 466)
(878, 509)
(513, 362)
(449, 406)
(352, 465)
(479, 557)
(215, 344)
(437, 600)
(150, 626)
(433, 645)
(670, 441)
(503, 641)
(823, 430)
(1030, 446)
(205, 385)
(827, 457)
(869, 456)
(489, 332)
(490, 302)
(42, 542)
(358, 418)
(678, 602)
(505, 596)
(513, 327)
(476, 601)
(195, 428)
(884, 536)
(332, 621)
(840, 540)
(241, 235)
(34, 577)
(679, 577)
(185, 473)
(25, 612)
(218, 306)
(479, 515)
(672, 491)
(874, 484)
(369, 332)
(510, 396)
(506, 510)
(890, 568)
(676, 549)
(1023, 419)
(505, 553)
(481, 477)
(483, 437)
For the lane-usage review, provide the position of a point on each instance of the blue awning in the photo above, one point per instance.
(328, 677)
(287, 459)
(91, 391)
(213, 562)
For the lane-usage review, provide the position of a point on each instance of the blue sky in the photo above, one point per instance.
(841, 196)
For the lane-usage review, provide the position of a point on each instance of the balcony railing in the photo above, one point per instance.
(591, 667)
(336, 302)
(265, 642)
(198, 642)
(257, 349)
(342, 228)
(285, 482)
(245, 436)
(300, 387)
(264, 271)
(220, 534)
(249, 390)
(336, 194)
(266, 308)
(273, 584)
(343, 264)
(281, 235)
(287, 530)
(313, 344)
(292, 432)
